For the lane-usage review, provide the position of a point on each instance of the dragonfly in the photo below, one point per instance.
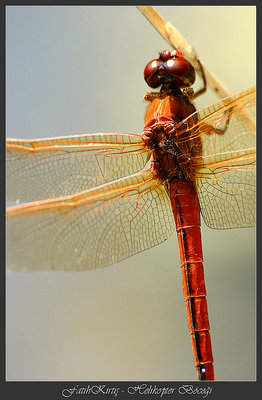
(96, 199)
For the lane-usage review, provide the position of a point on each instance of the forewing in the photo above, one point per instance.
(92, 229)
(54, 167)
(225, 173)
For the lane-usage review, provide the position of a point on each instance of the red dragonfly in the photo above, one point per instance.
(98, 210)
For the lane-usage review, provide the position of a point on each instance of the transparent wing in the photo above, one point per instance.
(92, 229)
(54, 167)
(226, 172)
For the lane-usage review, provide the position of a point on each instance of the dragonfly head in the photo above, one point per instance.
(170, 66)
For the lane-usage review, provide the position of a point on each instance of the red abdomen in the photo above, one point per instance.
(186, 212)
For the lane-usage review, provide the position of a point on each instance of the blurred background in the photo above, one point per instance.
(80, 70)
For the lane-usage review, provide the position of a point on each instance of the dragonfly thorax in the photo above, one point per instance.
(167, 161)
(162, 131)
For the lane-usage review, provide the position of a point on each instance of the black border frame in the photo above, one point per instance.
(53, 390)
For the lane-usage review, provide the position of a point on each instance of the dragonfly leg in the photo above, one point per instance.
(150, 96)
(203, 76)
(220, 131)
(223, 130)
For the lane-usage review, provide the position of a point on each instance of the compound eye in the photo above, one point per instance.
(181, 70)
(177, 66)
(168, 67)
(151, 73)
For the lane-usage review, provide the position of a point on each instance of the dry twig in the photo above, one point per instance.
(172, 35)
(176, 40)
